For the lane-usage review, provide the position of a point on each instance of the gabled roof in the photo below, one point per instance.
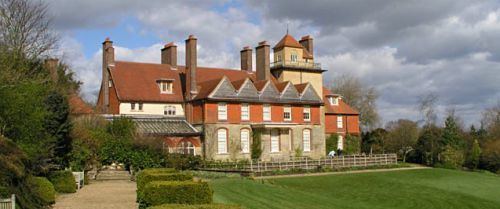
(342, 108)
(287, 41)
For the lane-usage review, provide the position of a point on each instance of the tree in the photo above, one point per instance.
(402, 137)
(58, 126)
(256, 146)
(475, 155)
(360, 97)
(452, 132)
(26, 28)
(427, 106)
(374, 141)
(429, 145)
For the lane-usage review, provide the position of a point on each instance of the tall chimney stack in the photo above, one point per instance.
(262, 61)
(191, 64)
(307, 42)
(246, 59)
(108, 58)
(51, 65)
(169, 54)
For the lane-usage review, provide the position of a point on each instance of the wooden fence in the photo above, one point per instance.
(346, 161)
(9, 203)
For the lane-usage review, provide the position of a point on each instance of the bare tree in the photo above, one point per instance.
(402, 137)
(427, 106)
(25, 28)
(491, 120)
(356, 95)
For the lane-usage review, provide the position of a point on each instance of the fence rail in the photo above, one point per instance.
(9, 203)
(346, 161)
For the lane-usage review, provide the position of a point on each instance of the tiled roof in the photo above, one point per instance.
(165, 127)
(281, 86)
(300, 87)
(342, 108)
(77, 106)
(287, 41)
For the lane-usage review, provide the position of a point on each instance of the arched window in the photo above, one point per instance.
(222, 141)
(306, 140)
(245, 140)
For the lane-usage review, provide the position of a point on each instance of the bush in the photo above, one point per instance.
(182, 161)
(206, 206)
(452, 157)
(145, 177)
(42, 188)
(178, 192)
(352, 145)
(331, 143)
(256, 146)
(63, 181)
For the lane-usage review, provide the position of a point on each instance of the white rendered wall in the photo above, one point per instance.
(150, 109)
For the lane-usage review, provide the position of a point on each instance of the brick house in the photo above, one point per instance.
(283, 102)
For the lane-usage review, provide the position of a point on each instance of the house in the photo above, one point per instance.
(223, 111)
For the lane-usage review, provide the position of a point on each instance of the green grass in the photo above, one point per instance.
(428, 188)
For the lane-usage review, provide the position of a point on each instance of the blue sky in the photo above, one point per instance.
(404, 49)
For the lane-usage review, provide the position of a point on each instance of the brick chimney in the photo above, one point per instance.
(262, 61)
(169, 54)
(307, 42)
(51, 65)
(191, 64)
(108, 58)
(246, 59)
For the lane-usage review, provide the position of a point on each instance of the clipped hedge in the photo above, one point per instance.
(176, 192)
(205, 206)
(42, 188)
(158, 174)
(64, 181)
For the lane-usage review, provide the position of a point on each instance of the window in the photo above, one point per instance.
(307, 113)
(339, 122)
(266, 112)
(222, 111)
(340, 143)
(110, 83)
(222, 141)
(140, 106)
(169, 110)
(245, 111)
(333, 100)
(278, 58)
(185, 147)
(306, 139)
(166, 87)
(287, 113)
(132, 106)
(245, 140)
(275, 140)
(293, 57)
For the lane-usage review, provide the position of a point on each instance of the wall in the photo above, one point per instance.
(350, 124)
(297, 77)
(150, 109)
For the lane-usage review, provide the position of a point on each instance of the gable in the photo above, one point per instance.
(248, 90)
(224, 90)
(269, 92)
(290, 92)
(310, 94)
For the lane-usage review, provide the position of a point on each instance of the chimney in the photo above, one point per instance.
(307, 42)
(51, 65)
(246, 59)
(191, 60)
(169, 54)
(263, 62)
(108, 58)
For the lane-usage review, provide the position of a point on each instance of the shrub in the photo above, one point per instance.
(331, 143)
(452, 157)
(205, 206)
(352, 145)
(256, 146)
(178, 192)
(182, 161)
(63, 181)
(144, 178)
(42, 188)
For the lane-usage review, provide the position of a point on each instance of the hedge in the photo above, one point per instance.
(150, 175)
(64, 181)
(176, 192)
(205, 206)
(42, 188)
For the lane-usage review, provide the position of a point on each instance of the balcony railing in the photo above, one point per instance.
(296, 64)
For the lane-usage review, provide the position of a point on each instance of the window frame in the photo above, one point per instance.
(141, 106)
(226, 136)
(166, 86)
(278, 140)
(132, 106)
(306, 111)
(340, 121)
(170, 110)
(266, 113)
(222, 112)
(247, 143)
(287, 109)
(340, 142)
(309, 140)
(246, 107)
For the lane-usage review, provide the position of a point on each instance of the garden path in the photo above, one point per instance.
(115, 194)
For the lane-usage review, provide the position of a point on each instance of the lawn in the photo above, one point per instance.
(428, 188)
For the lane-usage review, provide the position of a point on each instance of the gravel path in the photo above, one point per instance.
(116, 194)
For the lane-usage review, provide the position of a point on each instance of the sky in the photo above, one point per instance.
(403, 49)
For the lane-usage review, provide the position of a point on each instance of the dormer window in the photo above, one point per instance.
(333, 100)
(166, 86)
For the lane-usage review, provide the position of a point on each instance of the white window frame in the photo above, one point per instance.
(222, 141)
(222, 111)
(306, 112)
(166, 87)
(340, 142)
(333, 100)
(275, 140)
(245, 140)
(294, 57)
(266, 112)
(306, 140)
(245, 112)
(287, 109)
(340, 122)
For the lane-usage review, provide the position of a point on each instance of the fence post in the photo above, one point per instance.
(354, 160)
(279, 164)
(365, 160)
(13, 201)
(385, 158)
(343, 162)
(307, 167)
(251, 165)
